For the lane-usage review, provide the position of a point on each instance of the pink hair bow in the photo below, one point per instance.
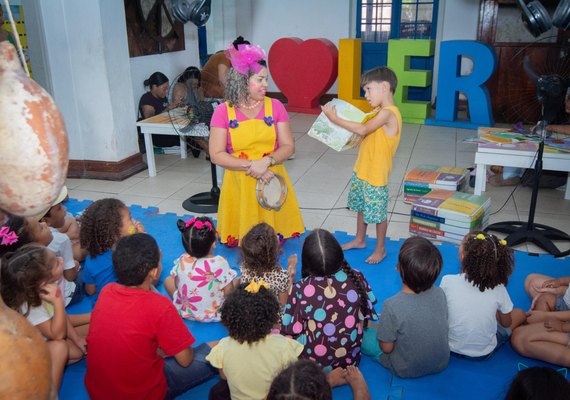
(8, 237)
(245, 58)
(199, 224)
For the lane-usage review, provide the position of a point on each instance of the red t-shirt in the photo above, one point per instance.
(128, 325)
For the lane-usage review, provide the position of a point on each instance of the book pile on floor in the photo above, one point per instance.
(424, 178)
(449, 215)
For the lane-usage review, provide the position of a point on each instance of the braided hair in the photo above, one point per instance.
(486, 260)
(197, 241)
(303, 380)
(260, 249)
(322, 256)
(23, 274)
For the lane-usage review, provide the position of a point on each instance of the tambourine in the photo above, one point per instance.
(271, 195)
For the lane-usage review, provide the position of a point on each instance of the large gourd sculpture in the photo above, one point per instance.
(33, 141)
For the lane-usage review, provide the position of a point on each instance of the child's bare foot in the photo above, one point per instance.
(376, 257)
(357, 383)
(337, 377)
(354, 244)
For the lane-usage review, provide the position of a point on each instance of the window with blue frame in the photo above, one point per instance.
(380, 20)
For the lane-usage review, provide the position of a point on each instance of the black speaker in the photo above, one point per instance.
(197, 12)
(537, 20)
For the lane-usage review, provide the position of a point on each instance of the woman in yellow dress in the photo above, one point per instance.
(250, 137)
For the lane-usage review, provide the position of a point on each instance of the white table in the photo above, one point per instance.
(507, 156)
(164, 124)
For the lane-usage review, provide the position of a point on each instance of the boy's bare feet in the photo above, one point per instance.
(376, 257)
(357, 383)
(337, 377)
(354, 244)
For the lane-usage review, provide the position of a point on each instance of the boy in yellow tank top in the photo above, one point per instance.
(380, 130)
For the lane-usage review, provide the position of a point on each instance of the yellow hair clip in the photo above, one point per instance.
(503, 242)
(480, 236)
(254, 286)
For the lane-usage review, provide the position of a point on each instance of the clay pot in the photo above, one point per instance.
(24, 358)
(34, 147)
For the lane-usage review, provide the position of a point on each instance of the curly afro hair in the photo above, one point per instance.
(101, 226)
(249, 317)
(303, 380)
(260, 249)
(486, 260)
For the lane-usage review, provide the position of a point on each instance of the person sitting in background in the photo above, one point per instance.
(215, 72)
(188, 88)
(154, 102)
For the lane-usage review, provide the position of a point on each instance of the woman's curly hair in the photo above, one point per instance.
(101, 226)
(237, 85)
(303, 380)
(197, 242)
(249, 317)
(486, 260)
(322, 256)
(20, 226)
(260, 249)
(23, 273)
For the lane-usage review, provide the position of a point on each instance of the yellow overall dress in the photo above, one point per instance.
(239, 209)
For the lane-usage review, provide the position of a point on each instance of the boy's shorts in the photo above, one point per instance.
(371, 201)
(561, 304)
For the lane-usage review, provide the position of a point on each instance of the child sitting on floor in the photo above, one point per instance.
(103, 223)
(251, 356)
(306, 380)
(413, 325)
(199, 280)
(54, 217)
(329, 307)
(550, 297)
(29, 279)
(130, 323)
(260, 261)
(481, 315)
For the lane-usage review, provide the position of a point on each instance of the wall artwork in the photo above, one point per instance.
(151, 29)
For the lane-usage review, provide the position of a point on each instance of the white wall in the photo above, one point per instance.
(273, 20)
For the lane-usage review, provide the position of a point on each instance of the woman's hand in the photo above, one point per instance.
(51, 292)
(259, 169)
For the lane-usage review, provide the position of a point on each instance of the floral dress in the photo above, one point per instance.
(323, 314)
(200, 286)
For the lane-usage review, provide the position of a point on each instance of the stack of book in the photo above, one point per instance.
(449, 215)
(424, 178)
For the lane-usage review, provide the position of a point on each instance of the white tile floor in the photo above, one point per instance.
(320, 177)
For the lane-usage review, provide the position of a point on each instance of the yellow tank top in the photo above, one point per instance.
(374, 162)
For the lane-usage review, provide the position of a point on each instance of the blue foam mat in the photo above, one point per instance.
(463, 379)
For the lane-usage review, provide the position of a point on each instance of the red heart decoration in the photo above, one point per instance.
(303, 71)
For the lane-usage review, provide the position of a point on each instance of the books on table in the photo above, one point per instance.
(332, 135)
(424, 178)
(449, 215)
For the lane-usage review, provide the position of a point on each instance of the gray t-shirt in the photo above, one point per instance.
(418, 325)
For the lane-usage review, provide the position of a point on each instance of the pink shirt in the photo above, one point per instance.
(220, 116)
